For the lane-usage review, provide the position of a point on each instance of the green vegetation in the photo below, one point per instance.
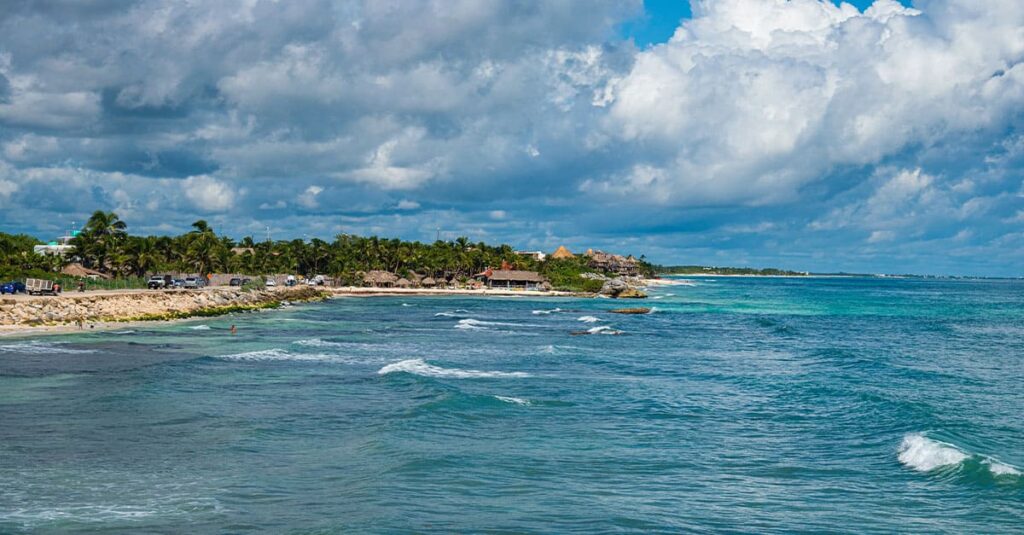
(104, 245)
(715, 270)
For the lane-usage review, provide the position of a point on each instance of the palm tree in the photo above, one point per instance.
(100, 239)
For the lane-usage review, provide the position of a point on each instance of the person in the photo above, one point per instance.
(233, 329)
(81, 286)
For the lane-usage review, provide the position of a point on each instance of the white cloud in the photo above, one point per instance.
(754, 99)
(308, 198)
(207, 194)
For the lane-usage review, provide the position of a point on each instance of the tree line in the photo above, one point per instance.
(105, 245)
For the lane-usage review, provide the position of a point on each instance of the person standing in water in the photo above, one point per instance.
(233, 330)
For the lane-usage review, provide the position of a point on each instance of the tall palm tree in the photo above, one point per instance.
(100, 239)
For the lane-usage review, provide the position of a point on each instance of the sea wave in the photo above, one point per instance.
(924, 454)
(458, 313)
(277, 354)
(36, 347)
(421, 367)
(200, 327)
(514, 401)
(588, 319)
(317, 342)
(546, 312)
(603, 329)
(477, 325)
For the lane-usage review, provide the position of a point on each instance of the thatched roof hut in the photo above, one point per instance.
(380, 279)
(428, 282)
(561, 253)
(78, 270)
(403, 283)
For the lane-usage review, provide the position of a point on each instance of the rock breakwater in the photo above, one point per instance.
(143, 305)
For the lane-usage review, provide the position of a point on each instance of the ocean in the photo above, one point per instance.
(761, 405)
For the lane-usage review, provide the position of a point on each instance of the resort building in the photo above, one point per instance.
(511, 278)
(60, 247)
(613, 263)
(536, 255)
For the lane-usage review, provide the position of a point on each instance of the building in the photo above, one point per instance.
(511, 278)
(562, 253)
(60, 247)
(536, 255)
(613, 263)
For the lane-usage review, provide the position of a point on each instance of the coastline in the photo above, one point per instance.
(107, 310)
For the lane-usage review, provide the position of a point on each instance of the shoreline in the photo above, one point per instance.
(172, 306)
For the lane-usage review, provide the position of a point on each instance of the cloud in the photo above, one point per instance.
(308, 198)
(208, 194)
(753, 100)
(763, 131)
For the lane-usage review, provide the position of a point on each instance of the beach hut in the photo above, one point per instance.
(511, 278)
(379, 279)
(78, 270)
(562, 253)
(403, 283)
(428, 282)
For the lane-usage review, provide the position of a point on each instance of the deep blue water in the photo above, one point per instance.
(738, 405)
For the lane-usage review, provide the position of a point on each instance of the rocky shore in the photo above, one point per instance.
(143, 305)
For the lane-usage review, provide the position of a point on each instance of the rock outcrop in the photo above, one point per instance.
(623, 288)
(143, 305)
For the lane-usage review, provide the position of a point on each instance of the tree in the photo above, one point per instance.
(101, 239)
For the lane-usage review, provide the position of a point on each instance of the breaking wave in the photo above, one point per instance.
(588, 319)
(37, 347)
(421, 367)
(317, 342)
(277, 354)
(479, 325)
(603, 329)
(546, 312)
(924, 454)
(455, 314)
(200, 327)
(514, 401)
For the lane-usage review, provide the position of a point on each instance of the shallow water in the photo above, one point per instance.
(754, 405)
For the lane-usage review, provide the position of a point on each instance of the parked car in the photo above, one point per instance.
(12, 287)
(271, 282)
(235, 281)
(178, 283)
(195, 282)
(156, 282)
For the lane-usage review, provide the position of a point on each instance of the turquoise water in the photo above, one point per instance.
(738, 405)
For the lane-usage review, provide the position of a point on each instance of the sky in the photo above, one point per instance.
(878, 137)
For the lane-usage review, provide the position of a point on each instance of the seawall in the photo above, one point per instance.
(142, 305)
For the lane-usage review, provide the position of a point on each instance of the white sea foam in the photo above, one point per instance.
(421, 367)
(277, 354)
(200, 327)
(458, 313)
(658, 297)
(477, 325)
(588, 319)
(317, 342)
(999, 469)
(36, 347)
(546, 312)
(603, 329)
(924, 454)
(514, 401)
(123, 332)
(406, 305)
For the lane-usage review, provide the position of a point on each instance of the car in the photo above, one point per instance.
(178, 283)
(156, 282)
(195, 282)
(235, 281)
(271, 282)
(12, 287)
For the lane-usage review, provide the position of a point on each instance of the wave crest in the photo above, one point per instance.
(588, 319)
(422, 368)
(924, 454)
